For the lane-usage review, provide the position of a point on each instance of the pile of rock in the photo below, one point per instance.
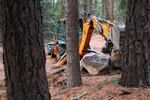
(96, 62)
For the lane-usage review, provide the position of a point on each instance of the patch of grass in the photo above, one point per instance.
(115, 81)
(107, 82)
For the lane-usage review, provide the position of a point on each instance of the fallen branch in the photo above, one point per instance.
(79, 97)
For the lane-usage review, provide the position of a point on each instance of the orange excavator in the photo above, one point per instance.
(100, 25)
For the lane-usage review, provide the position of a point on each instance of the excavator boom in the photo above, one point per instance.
(88, 28)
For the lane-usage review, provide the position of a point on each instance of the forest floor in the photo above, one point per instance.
(101, 87)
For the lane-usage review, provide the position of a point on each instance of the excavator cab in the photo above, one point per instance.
(57, 47)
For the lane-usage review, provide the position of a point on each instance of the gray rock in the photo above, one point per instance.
(94, 62)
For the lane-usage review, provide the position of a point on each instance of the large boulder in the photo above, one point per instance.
(94, 62)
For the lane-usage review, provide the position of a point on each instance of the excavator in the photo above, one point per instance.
(102, 26)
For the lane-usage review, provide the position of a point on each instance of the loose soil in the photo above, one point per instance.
(101, 87)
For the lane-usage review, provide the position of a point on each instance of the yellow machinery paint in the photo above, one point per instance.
(88, 29)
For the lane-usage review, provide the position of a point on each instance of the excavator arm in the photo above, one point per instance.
(84, 44)
(88, 27)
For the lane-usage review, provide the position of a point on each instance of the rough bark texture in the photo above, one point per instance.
(85, 9)
(74, 76)
(0, 24)
(24, 55)
(136, 58)
(122, 38)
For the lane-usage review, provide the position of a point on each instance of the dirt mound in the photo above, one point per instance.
(57, 81)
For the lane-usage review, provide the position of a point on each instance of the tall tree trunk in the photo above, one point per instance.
(0, 23)
(24, 55)
(105, 9)
(74, 76)
(136, 58)
(111, 2)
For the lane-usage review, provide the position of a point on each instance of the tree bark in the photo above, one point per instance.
(136, 53)
(74, 76)
(23, 51)
(105, 9)
(0, 23)
(111, 2)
